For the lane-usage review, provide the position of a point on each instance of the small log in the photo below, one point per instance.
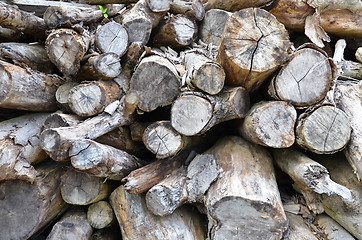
(30, 207)
(153, 74)
(62, 95)
(73, 225)
(79, 188)
(100, 215)
(230, 5)
(270, 124)
(89, 99)
(177, 32)
(25, 89)
(252, 208)
(9, 35)
(112, 233)
(331, 228)
(59, 119)
(112, 38)
(205, 74)
(137, 222)
(191, 8)
(298, 230)
(193, 113)
(159, 6)
(324, 130)
(253, 46)
(66, 48)
(212, 26)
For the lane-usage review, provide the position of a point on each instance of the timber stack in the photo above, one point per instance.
(180, 119)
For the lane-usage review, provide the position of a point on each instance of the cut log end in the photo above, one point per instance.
(112, 37)
(50, 140)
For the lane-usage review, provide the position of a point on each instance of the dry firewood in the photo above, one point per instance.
(62, 95)
(252, 208)
(348, 69)
(137, 222)
(177, 32)
(89, 99)
(100, 215)
(30, 206)
(212, 26)
(20, 147)
(153, 74)
(25, 89)
(66, 48)
(79, 188)
(59, 119)
(194, 113)
(331, 229)
(9, 35)
(231, 5)
(191, 8)
(253, 46)
(159, 5)
(270, 124)
(73, 225)
(323, 130)
(112, 38)
(13, 18)
(23, 54)
(298, 230)
(204, 73)
(102, 160)
(348, 98)
(111, 233)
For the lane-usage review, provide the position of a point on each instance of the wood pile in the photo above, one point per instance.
(180, 119)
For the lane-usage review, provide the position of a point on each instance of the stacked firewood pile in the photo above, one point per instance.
(181, 119)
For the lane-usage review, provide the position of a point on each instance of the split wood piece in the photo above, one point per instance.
(9, 35)
(62, 95)
(73, 225)
(25, 89)
(100, 215)
(142, 179)
(20, 147)
(112, 38)
(66, 48)
(102, 160)
(331, 228)
(205, 74)
(231, 5)
(31, 206)
(137, 222)
(358, 54)
(348, 98)
(311, 176)
(298, 85)
(159, 6)
(191, 8)
(13, 18)
(177, 32)
(212, 26)
(89, 99)
(79, 188)
(248, 205)
(31, 55)
(111, 233)
(324, 130)
(194, 113)
(156, 83)
(59, 119)
(270, 124)
(102, 67)
(298, 230)
(57, 141)
(253, 46)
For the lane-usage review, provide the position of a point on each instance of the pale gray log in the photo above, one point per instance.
(100, 215)
(298, 230)
(212, 26)
(192, 8)
(112, 37)
(331, 228)
(159, 5)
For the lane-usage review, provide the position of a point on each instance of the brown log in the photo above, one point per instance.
(230, 5)
(25, 89)
(253, 46)
(191, 8)
(331, 228)
(9, 35)
(30, 207)
(298, 230)
(270, 124)
(212, 26)
(62, 95)
(100, 215)
(252, 208)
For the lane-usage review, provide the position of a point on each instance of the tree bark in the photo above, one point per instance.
(231, 5)
(9, 35)
(59, 119)
(191, 8)
(62, 95)
(100, 215)
(298, 229)
(159, 6)
(332, 229)
(212, 26)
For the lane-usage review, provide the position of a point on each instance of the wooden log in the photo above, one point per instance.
(73, 225)
(153, 74)
(252, 208)
(23, 54)
(204, 73)
(137, 222)
(324, 130)
(112, 38)
(62, 95)
(100, 215)
(191, 8)
(230, 5)
(79, 188)
(13, 18)
(298, 230)
(25, 89)
(331, 228)
(59, 119)
(20, 147)
(66, 48)
(9, 35)
(89, 99)
(159, 6)
(358, 54)
(270, 124)
(30, 207)
(193, 113)
(212, 26)
(177, 32)
(347, 69)
(253, 46)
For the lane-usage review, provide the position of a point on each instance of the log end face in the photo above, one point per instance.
(50, 140)
(210, 78)
(84, 156)
(112, 38)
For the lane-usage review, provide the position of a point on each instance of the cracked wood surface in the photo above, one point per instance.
(212, 26)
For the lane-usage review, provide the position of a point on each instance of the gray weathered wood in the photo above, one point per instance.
(192, 8)
(100, 215)
(331, 228)
(231, 5)
(298, 230)
(159, 5)
(212, 26)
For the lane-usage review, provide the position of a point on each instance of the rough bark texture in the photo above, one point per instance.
(191, 8)
(332, 229)
(298, 229)
(9, 35)
(212, 26)
(233, 5)
(100, 215)
(62, 95)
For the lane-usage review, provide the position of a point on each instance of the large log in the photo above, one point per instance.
(100, 215)
(231, 5)
(212, 26)
(191, 8)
